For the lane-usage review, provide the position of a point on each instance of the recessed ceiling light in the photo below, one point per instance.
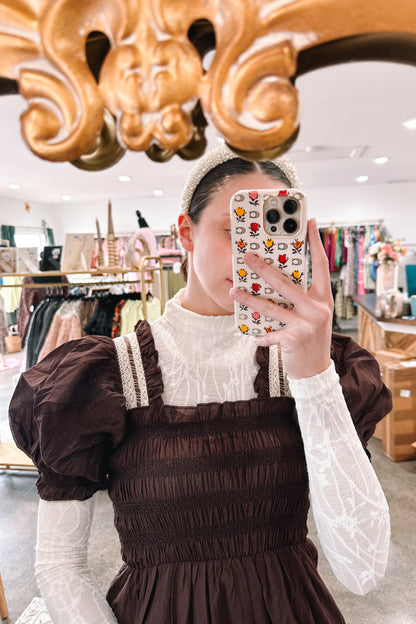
(362, 178)
(66, 197)
(381, 160)
(14, 186)
(410, 124)
(158, 192)
(124, 178)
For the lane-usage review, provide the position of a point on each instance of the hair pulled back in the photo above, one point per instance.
(212, 182)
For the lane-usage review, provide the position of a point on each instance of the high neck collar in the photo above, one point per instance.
(214, 328)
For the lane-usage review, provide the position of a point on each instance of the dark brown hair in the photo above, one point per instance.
(212, 182)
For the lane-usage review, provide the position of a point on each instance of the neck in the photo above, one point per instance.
(200, 303)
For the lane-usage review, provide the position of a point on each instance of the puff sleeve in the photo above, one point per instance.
(68, 414)
(366, 396)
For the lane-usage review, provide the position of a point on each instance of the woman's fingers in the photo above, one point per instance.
(259, 304)
(321, 281)
(275, 278)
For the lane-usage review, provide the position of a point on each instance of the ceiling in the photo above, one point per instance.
(350, 114)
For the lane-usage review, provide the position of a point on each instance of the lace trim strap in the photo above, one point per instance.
(278, 383)
(132, 373)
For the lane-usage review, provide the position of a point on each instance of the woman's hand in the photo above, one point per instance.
(306, 339)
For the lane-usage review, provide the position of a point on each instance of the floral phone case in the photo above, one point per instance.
(271, 223)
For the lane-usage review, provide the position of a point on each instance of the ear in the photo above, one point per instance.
(185, 232)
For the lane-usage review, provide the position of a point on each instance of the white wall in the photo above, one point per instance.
(13, 212)
(160, 213)
(394, 203)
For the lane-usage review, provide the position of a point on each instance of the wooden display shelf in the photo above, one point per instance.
(12, 458)
(110, 270)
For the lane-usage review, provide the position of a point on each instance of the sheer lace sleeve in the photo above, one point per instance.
(62, 573)
(349, 506)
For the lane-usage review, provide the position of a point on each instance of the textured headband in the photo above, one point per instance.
(221, 154)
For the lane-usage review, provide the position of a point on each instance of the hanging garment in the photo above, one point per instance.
(361, 260)
(65, 326)
(344, 307)
(11, 296)
(39, 327)
(349, 282)
(4, 330)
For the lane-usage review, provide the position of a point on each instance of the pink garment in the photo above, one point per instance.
(334, 236)
(360, 278)
(65, 326)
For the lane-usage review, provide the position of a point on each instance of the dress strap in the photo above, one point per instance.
(132, 373)
(278, 385)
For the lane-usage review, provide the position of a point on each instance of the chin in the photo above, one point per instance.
(229, 307)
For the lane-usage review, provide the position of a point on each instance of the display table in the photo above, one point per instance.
(393, 344)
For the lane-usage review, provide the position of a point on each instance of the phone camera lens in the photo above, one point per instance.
(290, 226)
(290, 206)
(272, 216)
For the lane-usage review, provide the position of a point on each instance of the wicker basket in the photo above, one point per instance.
(13, 344)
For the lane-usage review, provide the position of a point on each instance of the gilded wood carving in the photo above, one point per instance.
(153, 80)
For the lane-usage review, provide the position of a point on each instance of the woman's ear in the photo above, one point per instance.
(185, 231)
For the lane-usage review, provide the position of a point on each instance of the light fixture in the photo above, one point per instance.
(410, 124)
(381, 160)
(362, 178)
(66, 197)
(158, 192)
(14, 186)
(124, 178)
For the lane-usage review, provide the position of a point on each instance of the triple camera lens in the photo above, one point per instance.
(290, 206)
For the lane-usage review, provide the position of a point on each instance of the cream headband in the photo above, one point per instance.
(221, 154)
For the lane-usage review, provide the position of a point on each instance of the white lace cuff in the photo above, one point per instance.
(319, 384)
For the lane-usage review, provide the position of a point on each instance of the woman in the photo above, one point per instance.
(206, 441)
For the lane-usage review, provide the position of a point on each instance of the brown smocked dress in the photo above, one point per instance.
(210, 501)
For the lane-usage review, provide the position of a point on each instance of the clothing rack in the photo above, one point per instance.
(145, 267)
(351, 223)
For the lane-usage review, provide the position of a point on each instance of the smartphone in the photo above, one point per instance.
(271, 223)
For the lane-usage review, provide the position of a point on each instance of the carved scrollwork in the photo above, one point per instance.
(151, 78)
(252, 100)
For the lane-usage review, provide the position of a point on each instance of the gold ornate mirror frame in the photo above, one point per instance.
(103, 76)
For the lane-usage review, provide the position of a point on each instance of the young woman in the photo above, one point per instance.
(209, 444)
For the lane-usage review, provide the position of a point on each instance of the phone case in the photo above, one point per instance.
(259, 219)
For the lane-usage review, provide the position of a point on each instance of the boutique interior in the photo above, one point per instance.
(90, 252)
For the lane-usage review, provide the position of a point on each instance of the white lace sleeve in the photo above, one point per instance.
(62, 572)
(349, 506)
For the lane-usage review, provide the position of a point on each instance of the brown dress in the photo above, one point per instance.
(210, 501)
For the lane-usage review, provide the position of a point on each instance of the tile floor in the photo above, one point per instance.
(392, 602)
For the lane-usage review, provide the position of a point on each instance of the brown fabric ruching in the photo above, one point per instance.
(149, 355)
(261, 382)
(368, 399)
(68, 413)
